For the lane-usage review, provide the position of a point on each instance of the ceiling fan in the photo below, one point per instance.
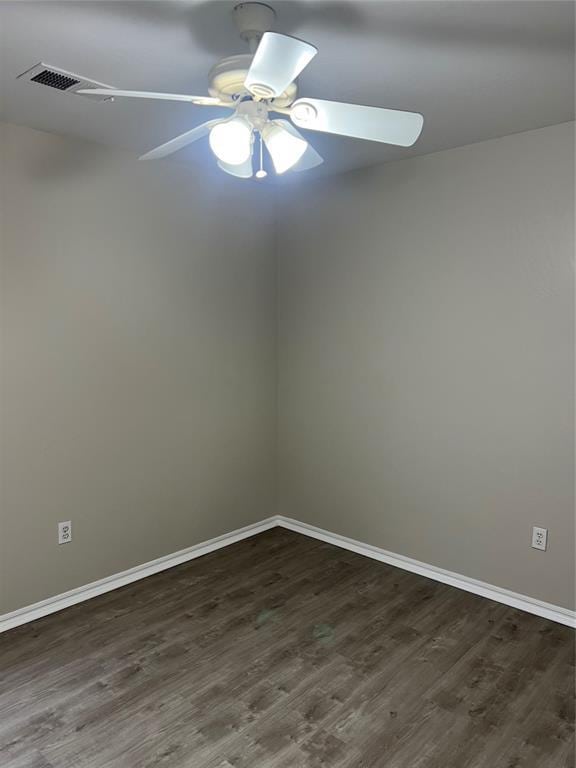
(263, 82)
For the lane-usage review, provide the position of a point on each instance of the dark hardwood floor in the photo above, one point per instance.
(284, 652)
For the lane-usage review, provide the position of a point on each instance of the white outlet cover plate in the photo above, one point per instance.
(65, 532)
(539, 537)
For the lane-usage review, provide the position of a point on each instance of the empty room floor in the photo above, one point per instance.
(284, 652)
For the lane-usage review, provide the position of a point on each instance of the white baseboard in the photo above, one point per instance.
(80, 594)
(498, 594)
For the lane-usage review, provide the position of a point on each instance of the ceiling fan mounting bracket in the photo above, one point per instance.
(304, 113)
(252, 20)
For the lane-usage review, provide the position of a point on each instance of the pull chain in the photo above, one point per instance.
(261, 172)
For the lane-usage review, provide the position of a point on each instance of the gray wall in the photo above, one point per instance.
(138, 361)
(426, 358)
(425, 348)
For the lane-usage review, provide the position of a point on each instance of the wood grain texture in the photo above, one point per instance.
(284, 652)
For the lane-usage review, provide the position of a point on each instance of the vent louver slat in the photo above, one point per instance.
(54, 80)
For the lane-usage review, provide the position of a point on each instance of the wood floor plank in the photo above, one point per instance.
(285, 652)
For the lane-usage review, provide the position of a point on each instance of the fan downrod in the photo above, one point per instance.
(252, 20)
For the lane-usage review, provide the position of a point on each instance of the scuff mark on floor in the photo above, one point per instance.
(324, 633)
(266, 615)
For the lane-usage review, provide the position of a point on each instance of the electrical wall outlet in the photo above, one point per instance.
(65, 532)
(539, 537)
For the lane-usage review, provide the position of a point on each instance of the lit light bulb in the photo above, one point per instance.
(285, 148)
(261, 174)
(231, 141)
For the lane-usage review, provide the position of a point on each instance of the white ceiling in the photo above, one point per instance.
(475, 70)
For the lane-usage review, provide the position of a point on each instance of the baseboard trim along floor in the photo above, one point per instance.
(80, 594)
(95, 588)
(498, 594)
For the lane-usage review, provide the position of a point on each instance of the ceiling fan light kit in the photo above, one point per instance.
(263, 82)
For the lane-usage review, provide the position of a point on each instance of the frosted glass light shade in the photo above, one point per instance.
(231, 141)
(285, 148)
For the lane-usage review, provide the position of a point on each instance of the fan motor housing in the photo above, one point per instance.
(226, 81)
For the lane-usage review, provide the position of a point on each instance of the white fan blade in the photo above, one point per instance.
(310, 158)
(243, 171)
(201, 101)
(278, 61)
(390, 126)
(180, 141)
